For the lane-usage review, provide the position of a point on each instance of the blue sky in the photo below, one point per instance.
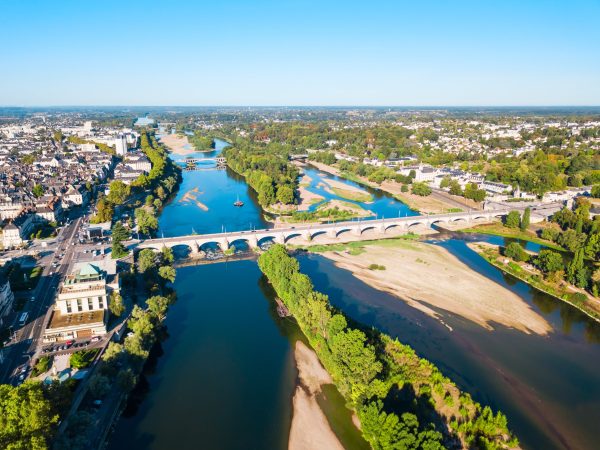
(260, 52)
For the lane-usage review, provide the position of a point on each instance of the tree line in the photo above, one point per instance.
(372, 371)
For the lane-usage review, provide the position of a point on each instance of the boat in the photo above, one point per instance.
(238, 202)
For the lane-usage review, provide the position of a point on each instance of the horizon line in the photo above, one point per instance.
(300, 106)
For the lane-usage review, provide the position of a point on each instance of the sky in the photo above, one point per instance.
(261, 52)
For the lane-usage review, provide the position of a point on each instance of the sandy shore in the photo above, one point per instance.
(178, 144)
(427, 276)
(307, 198)
(345, 187)
(310, 429)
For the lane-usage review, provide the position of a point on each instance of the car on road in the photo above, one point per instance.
(96, 339)
(69, 343)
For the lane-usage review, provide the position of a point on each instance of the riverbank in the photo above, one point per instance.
(531, 276)
(307, 414)
(354, 356)
(178, 144)
(431, 204)
(498, 229)
(409, 268)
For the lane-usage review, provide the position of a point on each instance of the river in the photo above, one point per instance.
(225, 376)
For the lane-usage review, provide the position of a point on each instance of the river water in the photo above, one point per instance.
(225, 376)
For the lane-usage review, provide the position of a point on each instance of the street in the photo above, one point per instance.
(25, 343)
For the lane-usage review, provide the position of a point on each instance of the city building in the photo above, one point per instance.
(6, 298)
(121, 145)
(16, 232)
(81, 308)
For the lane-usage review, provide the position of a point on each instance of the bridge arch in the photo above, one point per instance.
(318, 233)
(418, 225)
(183, 250)
(240, 244)
(370, 228)
(342, 231)
(293, 235)
(266, 241)
(211, 247)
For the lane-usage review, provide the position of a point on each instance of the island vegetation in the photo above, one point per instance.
(402, 400)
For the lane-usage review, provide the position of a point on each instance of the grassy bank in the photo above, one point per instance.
(357, 247)
(402, 400)
(535, 280)
(347, 194)
(512, 233)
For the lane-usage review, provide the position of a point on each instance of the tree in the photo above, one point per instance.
(168, 273)
(355, 359)
(576, 271)
(146, 220)
(525, 219)
(512, 219)
(549, 261)
(113, 351)
(421, 189)
(285, 194)
(596, 191)
(105, 211)
(516, 252)
(82, 358)
(99, 386)
(116, 305)
(119, 234)
(119, 192)
(146, 260)
(126, 380)
(571, 240)
(455, 188)
(158, 306)
(167, 255)
(38, 190)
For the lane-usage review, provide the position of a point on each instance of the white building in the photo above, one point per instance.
(81, 309)
(121, 145)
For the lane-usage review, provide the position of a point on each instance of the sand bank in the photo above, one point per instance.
(426, 276)
(310, 429)
(434, 203)
(177, 144)
(307, 198)
(192, 196)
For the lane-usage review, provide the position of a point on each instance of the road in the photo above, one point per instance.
(26, 341)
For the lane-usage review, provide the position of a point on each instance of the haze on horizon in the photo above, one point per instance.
(268, 52)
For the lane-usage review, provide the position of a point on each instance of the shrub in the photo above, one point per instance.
(516, 252)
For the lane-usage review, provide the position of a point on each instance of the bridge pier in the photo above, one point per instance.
(280, 239)
(332, 233)
(252, 242)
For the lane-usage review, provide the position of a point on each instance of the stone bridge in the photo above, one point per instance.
(348, 230)
(218, 159)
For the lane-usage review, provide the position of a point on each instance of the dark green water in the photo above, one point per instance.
(225, 377)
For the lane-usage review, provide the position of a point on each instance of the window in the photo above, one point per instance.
(79, 306)
(90, 304)
(101, 302)
(68, 307)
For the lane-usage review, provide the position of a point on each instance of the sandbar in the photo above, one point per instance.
(428, 277)
(310, 429)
